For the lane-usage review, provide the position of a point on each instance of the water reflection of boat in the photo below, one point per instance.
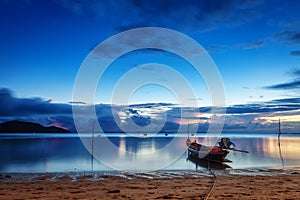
(215, 154)
(206, 163)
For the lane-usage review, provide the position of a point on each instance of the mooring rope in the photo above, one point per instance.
(214, 178)
(214, 182)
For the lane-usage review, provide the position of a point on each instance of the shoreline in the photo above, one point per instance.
(233, 184)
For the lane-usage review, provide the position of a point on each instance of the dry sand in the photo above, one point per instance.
(230, 186)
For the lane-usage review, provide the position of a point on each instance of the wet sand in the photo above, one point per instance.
(229, 186)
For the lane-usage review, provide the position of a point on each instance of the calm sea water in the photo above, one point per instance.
(32, 153)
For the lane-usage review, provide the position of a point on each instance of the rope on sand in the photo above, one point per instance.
(213, 185)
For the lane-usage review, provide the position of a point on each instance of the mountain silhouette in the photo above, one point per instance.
(29, 127)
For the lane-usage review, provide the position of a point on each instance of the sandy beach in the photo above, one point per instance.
(276, 185)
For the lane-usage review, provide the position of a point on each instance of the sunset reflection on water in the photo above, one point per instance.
(65, 154)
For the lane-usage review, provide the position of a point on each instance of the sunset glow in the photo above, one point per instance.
(274, 119)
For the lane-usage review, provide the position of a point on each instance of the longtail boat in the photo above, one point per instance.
(215, 153)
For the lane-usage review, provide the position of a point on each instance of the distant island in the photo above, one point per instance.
(29, 127)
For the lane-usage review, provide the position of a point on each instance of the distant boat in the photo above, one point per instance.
(213, 154)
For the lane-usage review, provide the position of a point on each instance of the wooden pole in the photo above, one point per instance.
(279, 145)
(92, 156)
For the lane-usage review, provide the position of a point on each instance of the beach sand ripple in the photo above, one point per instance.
(272, 185)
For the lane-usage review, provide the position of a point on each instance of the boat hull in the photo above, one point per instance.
(206, 163)
(218, 156)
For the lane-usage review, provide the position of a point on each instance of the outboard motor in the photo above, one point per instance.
(225, 143)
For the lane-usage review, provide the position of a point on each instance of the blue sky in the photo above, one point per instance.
(255, 45)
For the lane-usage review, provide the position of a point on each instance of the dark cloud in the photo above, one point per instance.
(295, 53)
(295, 72)
(289, 37)
(170, 126)
(291, 85)
(293, 24)
(186, 16)
(35, 110)
(12, 106)
(253, 45)
(141, 120)
(194, 15)
(296, 37)
(6, 101)
(138, 119)
(203, 15)
(159, 40)
(217, 48)
(234, 127)
(285, 86)
(238, 117)
(288, 100)
(267, 107)
(152, 105)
